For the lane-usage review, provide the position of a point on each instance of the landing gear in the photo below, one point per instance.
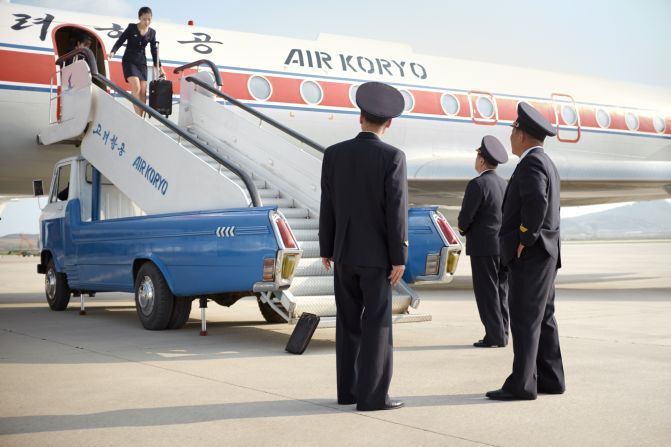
(153, 300)
(56, 288)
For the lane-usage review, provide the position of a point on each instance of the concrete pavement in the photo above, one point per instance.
(101, 379)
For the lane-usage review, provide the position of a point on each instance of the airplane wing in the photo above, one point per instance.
(442, 181)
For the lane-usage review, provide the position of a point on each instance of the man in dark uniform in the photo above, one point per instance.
(480, 222)
(363, 229)
(530, 247)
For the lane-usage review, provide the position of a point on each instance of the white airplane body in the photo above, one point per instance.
(614, 141)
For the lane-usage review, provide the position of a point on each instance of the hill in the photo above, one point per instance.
(19, 243)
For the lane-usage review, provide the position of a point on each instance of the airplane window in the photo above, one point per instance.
(450, 104)
(569, 114)
(485, 107)
(409, 101)
(352, 93)
(312, 92)
(660, 125)
(631, 120)
(603, 118)
(260, 88)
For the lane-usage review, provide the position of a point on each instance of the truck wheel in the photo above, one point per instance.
(153, 300)
(56, 288)
(268, 313)
(180, 312)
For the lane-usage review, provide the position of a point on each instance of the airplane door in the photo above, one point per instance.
(567, 118)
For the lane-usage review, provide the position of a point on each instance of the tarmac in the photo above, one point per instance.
(100, 379)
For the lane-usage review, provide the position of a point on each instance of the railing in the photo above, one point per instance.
(246, 108)
(91, 60)
(209, 63)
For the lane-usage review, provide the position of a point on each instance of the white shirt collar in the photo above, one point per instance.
(486, 170)
(527, 151)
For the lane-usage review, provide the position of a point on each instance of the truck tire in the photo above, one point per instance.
(180, 312)
(153, 300)
(56, 288)
(268, 313)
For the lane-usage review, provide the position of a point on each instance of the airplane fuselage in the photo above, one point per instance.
(609, 133)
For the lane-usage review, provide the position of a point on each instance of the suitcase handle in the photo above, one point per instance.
(157, 76)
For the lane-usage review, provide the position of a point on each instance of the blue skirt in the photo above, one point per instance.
(133, 69)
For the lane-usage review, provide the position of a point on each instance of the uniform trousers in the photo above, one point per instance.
(490, 286)
(537, 365)
(364, 345)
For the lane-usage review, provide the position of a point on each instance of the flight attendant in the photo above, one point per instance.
(363, 230)
(530, 247)
(480, 221)
(134, 61)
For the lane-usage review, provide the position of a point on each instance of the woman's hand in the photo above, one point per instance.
(162, 71)
(110, 56)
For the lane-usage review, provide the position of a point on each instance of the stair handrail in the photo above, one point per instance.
(209, 63)
(91, 60)
(248, 109)
(88, 55)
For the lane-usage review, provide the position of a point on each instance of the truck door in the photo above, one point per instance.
(53, 215)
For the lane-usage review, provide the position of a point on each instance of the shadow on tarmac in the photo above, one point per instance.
(153, 417)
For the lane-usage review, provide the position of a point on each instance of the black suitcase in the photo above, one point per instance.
(160, 96)
(302, 334)
(160, 92)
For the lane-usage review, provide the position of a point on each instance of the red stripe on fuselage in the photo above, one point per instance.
(38, 68)
(427, 102)
(235, 85)
(336, 94)
(30, 68)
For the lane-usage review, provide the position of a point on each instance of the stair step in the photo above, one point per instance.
(294, 212)
(311, 267)
(280, 202)
(266, 193)
(303, 224)
(310, 249)
(306, 235)
(312, 285)
(259, 183)
(324, 305)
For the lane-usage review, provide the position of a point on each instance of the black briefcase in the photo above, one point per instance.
(302, 334)
(160, 96)
(160, 92)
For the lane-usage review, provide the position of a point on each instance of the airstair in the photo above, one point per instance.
(220, 154)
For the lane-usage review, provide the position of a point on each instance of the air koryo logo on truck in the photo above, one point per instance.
(355, 64)
(151, 175)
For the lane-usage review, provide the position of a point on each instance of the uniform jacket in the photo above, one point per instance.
(480, 215)
(531, 208)
(364, 203)
(135, 48)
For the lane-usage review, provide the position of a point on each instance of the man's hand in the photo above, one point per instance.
(161, 71)
(396, 274)
(520, 247)
(327, 263)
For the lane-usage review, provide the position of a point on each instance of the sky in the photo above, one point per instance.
(617, 39)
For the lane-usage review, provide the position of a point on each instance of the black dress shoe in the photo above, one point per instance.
(346, 401)
(484, 344)
(502, 394)
(391, 405)
(550, 391)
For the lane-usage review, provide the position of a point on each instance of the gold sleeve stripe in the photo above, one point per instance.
(523, 229)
